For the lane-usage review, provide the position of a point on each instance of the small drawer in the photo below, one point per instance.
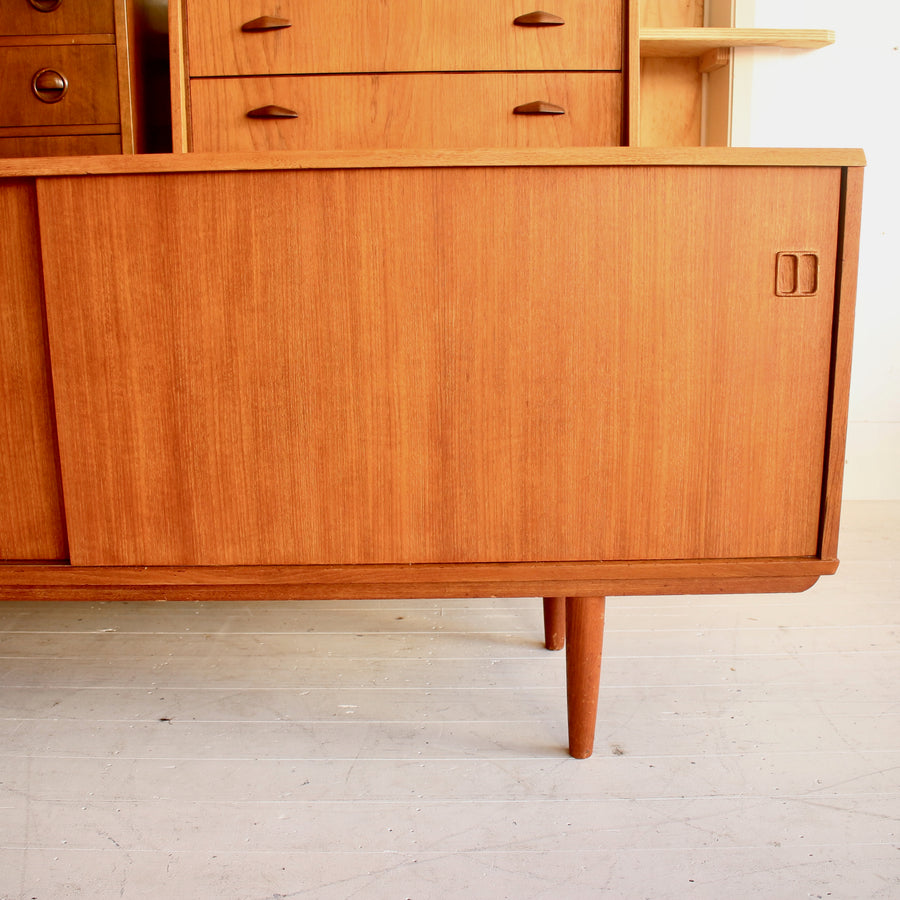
(337, 36)
(77, 84)
(60, 145)
(421, 111)
(22, 17)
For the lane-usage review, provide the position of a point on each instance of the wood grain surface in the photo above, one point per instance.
(92, 94)
(31, 525)
(365, 366)
(401, 36)
(670, 13)
(70, 17)
(59, 145)
(693, 42)
(160, 163)
(671, 91)
(632, 77)
(585, 617)
(671, 103)
(430, 110)
(851, 220)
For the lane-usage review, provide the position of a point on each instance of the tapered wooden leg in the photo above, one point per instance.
(584, 638)
(555, 622)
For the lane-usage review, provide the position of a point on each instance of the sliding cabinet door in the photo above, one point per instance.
(442, 364)
(31, 521)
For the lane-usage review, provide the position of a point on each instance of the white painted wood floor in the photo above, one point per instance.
(746, 747)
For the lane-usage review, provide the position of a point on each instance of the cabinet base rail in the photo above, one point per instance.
(58, 580)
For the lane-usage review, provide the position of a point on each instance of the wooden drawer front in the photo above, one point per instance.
(60, 145)
(70, 17)
(439, 365)
(357, 112)
(91, 96)
(401, 36)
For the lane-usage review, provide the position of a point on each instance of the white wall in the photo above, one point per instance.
(846, 95)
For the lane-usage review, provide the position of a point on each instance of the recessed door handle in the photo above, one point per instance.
(49, 85)
(538, 19)
(272, 112)
(797, 273)
(266, 23)
(539, 108)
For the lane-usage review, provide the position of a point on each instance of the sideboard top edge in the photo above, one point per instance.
(609, 156)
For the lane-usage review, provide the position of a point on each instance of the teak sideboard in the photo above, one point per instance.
(557, 373)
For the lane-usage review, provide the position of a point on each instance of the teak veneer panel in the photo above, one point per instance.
(31, 523)
(434, 110)
(440, 365)
(400, 36)
(671, 103)
(171, 163)
(66, 582)
(671, 91)
(92, 95)
(60, 145)
(54, 40)
(70, 17)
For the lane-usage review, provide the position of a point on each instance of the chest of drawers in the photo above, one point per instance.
(426, 75)
(64, 78)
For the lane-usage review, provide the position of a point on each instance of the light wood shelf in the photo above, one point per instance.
(688, 42)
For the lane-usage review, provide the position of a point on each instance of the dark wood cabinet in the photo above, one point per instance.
(65, 78)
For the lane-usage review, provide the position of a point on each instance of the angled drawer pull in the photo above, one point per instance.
(538, 19)
(266, 23)
(272, 112)
(539, 108)
(45, 5)
(49, 85)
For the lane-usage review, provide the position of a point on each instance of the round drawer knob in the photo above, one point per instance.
(45, 5)
(49, 85)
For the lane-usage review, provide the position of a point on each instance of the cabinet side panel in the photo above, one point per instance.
(441, 365)
(845, 304)
(31, 521)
